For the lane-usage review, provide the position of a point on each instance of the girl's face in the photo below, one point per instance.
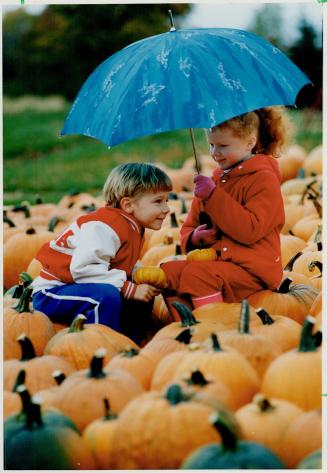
(227, 148)
(150, 209)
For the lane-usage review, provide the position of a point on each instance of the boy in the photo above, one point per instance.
(88, 268)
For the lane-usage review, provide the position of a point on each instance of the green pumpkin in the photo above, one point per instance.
(232, 453)
(47, 441)
(312, 461)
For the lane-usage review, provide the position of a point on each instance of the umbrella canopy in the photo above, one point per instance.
(189, 78)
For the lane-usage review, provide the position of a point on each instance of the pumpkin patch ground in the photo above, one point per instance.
(227, 386)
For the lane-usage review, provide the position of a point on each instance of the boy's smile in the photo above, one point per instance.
(227, 148)
(150, 209)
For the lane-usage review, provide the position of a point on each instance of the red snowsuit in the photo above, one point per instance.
(247, 209)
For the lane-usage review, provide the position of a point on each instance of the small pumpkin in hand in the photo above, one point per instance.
(150, 275)
(203, 254)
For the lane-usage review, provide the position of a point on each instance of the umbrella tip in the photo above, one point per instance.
(172, 26)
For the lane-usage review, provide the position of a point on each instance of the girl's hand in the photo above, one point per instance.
(203, 236)
(145, 292)
(204, 187)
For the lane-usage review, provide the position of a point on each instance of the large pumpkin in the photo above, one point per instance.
(157, 431)
(38, 369)
(296, 375)
(260, 351)
(77, 343)
(19, 251)
(293, 301)
(226, 365)
(302, 437)
(80, 396)
(23, 319)
(266, 420)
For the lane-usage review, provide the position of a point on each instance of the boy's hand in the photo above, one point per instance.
(145, 292)
(204, 186)
(203, 236)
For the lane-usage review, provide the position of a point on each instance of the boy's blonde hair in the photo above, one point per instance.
(270, 124)
(133, 180)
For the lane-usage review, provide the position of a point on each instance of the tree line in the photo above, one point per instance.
(55, 51)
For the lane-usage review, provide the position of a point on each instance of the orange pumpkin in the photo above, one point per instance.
(226, 365)
(296, 375)
(98, 435)
(285, 332)
(257, 349)
(80, 395)
(265, 420)
(135, 362)
(11, 400)
(77, 343)
(38, 369)
(157, 348)
(303, 436)
(22, 319)
(293, 301)
(19, 251)
(157, 431)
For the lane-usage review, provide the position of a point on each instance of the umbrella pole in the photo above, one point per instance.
(197, 162)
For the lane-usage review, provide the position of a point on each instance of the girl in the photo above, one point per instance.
(244, 202)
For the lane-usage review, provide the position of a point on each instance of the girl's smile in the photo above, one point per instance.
(227, 149)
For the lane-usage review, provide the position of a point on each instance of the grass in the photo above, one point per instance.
(37, 161)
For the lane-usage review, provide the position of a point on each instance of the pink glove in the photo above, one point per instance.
(204, 186)
(203, 236)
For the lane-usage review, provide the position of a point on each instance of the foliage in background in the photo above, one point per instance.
(38, 161)
(54, 52)
(305, 51)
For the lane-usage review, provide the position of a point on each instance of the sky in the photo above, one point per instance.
(231, 14)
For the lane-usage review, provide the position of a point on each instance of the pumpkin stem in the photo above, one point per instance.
(289, 266)
(58, 376)
(187, 318)
(266, 319)
(22, 208)
(244, 320)
(30, 231)
(19, 380)
(178, 250)
(173, 220)
(226, 431)
(10, 222)
(184, 209)
(318, 338)
(96, 366)
(197, 379)
(318, 235)
(28, 352)
(284, 288)
(24, 301)
(263, 403)
(215, 343)
(78, 323)
(53, 223)
(315, 264)
(129, 353)
(107, 414)
(307, 340)
(168, 240)
(175, 395)
(185, 336)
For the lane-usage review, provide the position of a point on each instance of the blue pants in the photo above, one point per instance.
(100, 303)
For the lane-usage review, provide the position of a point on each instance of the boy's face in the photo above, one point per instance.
(227, 148)
(149, 209)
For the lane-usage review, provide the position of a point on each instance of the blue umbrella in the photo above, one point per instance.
(188, 78)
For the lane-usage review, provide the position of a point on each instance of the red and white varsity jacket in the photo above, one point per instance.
(100, 247)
